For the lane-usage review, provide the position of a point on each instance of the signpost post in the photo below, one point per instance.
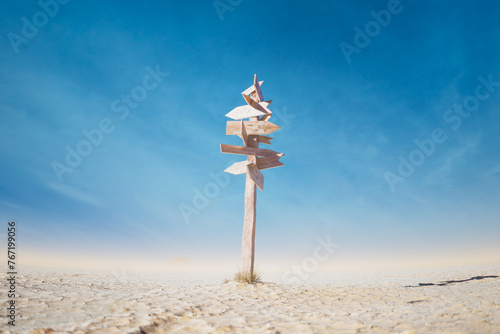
(252, 132)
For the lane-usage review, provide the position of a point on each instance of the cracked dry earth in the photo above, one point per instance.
(93, 303)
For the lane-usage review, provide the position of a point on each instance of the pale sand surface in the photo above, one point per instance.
(200, 303)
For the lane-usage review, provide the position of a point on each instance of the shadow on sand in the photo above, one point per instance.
(444, 283)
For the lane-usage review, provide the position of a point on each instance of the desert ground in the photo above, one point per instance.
(459, 301)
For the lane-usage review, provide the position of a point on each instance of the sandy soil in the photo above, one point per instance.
(103, 303)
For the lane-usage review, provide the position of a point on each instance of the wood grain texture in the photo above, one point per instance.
(249, 100)
(248, 239)
(234, 149)
(260, 97)
(252, 127)
(270, 162)
(251, 89)
(252, 102)
(265, 117)
(246, 112)
(265, 140)
(256, 176)
(244, 134)
(238, 168)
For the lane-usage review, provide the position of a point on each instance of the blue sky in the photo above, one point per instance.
(346, 118)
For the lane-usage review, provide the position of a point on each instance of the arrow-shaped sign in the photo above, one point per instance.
(244, 135)
(270, 162)
(265, 140)
(262, 163)
(249, 100)
(256, 176)
(261, 106)
(246, 112)
(252, 127)
(251, 89)
(258, 105)
(238, 167)
(265, 117)
(258, 92)
(233, 149)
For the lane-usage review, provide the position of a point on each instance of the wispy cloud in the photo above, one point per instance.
(492, 171)
(458, 154)
(74, 194)
(454, 159)
(12, 205)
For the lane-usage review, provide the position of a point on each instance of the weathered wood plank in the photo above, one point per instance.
(260, 97)
(265, 140)
(251, 89)
(270, 162)
(233, 149)
(252, 127)
(248, 239)
(249, 100)
(238, 168)
(265, 117)
(262, 107)
(256, 176)
(262, 163)
(244, 135)
(246, 112)
(252, 102)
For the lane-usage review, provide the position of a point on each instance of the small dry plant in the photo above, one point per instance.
(245, 277)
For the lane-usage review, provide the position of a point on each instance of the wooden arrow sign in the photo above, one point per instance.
(256, 176)
(252, 127)
(248, 141)
(238, 168)
(270, 162)
(233, 149)
(262, 163)
(249, 100)
(246, 112)
(265, 117)
(258, 92)
(265, 140)
(244, 135)
(255, 104)
(251, 89)
(261, 106)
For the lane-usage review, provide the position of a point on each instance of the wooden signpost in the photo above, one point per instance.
(252, 132)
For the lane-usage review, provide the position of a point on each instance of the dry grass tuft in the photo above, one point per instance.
(245, 277)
